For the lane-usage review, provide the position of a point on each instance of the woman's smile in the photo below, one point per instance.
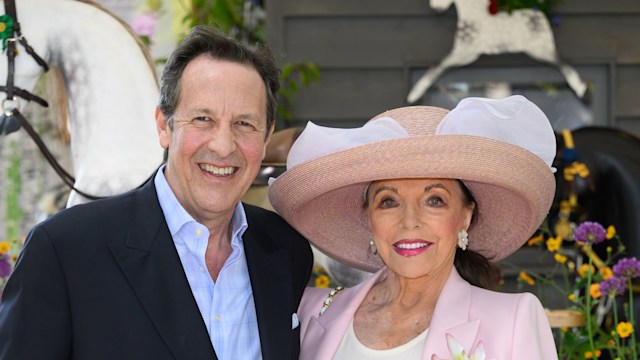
(411, 247)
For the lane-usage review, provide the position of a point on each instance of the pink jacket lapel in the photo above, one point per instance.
(451, 317)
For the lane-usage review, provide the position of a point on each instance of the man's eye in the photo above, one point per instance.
(202, 122)
(246, 125)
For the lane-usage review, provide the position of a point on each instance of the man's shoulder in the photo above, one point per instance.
(103, 210)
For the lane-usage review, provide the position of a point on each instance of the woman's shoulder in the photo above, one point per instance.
(316, 300)
(314, 295)
(504, 300)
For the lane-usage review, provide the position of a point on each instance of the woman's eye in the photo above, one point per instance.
(435, 201)
(387, 203)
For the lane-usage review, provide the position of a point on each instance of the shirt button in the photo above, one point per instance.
(218, 317)
(198, 232)
(201, 269)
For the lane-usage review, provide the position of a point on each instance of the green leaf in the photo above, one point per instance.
(292, 85)
(286, 71)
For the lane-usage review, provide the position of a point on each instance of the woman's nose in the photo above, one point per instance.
(410, 219)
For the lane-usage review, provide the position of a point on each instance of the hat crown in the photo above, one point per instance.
(416, 120)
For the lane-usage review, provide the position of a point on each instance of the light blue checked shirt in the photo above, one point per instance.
(226, 306)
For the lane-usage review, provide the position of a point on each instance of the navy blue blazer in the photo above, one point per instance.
(103, 280)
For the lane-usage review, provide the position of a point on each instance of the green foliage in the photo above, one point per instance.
(292, 76)
(14, 213)
(544, 6)
(583, 272)
(229, 16)
(246, 21)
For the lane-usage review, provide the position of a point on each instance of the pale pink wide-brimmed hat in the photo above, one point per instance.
(501, 149)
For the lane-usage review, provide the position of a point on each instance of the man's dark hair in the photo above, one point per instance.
(212, 42)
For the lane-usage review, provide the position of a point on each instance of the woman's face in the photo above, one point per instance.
(415, 223)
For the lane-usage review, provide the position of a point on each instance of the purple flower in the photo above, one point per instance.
(627, 268)
(590, 233)
(613, 286)
(5, 266)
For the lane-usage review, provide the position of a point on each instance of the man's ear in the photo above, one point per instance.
(269, 133)
(164, 132)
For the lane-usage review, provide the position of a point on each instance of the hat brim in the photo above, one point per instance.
(323, 198)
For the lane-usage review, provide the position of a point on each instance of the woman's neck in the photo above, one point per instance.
(409, 292)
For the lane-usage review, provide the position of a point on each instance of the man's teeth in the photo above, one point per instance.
(411, 246)
(228, 170)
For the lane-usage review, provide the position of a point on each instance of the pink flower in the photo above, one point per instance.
(144, 24)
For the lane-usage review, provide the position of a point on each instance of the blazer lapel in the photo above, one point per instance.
(151, 263)
(269, 271)
(451, 317)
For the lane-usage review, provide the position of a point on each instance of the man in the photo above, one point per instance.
(180, 268)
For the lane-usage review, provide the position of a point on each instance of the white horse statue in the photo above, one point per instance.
(111, 90)
(478, 32)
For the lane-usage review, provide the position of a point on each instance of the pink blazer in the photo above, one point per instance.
(510, 326)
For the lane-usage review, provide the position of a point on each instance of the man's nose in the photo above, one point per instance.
(222, 141)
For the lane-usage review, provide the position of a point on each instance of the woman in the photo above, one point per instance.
(426, 199)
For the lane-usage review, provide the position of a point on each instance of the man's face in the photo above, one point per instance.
(219, 136)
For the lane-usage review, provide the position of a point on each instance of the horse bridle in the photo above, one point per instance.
(11, 119)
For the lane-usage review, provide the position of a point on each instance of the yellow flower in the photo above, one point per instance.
(560, 258)
(594, 290)
(611, 232)
(611, 343)
(4, 247)
(571, 265)
(526, 278)
(571, 297)
(563, 228)
(624, 329)
(534, 240)
(322, 281)
(589, 354)
(564, 329)
(606, 272)
(553, 244)
(585, 269)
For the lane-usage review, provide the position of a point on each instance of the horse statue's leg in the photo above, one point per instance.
(459, 56)
(570, 74)
(573, 78)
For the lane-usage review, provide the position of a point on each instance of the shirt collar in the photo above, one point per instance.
(176, 216)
